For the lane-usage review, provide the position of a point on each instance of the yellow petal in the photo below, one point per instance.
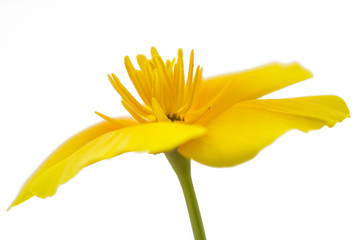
(69, 147)
(240, 132)
(331, 109)
(152, 137)
(250, 84)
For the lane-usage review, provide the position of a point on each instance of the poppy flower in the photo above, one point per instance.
(219, 121)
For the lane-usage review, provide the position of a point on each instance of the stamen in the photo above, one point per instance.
(175, 79)
(134, 113)
(141, 59)
(109, 119)
(168, 65)
(172, 64)
(127, 97)
(169, 70)
(144, 85)
(181, 80)
(194, 88)
(136, 82)
(154, 52)
(149, 70)
(159, 64)
(190, 75)
(157, 90)
(168, 88)
(159, 113)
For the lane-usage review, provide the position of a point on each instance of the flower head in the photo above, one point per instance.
(217, 121)
(167, 92)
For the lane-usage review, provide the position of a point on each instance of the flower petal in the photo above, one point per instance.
(247, 85)
(152, 137)
(240, 132)
(69, 147)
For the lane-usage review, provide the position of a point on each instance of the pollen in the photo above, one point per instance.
(167, 93)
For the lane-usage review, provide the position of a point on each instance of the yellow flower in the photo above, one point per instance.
(218, 121)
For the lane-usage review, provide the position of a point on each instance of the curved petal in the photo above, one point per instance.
(152, 137)
(240, 132)
(69, 147)
(247, 85)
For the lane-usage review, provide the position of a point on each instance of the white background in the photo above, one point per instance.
(54, 57)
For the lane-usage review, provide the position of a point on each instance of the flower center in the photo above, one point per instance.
(162, 87)
(175, 117)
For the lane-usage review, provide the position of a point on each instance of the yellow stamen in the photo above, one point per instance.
(171, 65)
(109, 119)
(134, 113)
(194, 88)
(159, 113)
(168, 66)
(181, 79)
(175, 79)
(149, 70)
(137, 83)
(160, 65)
(157, 90)
(154, 52)
(169, 70)
(127, 97)
(168, 88)
(190, 75)
(144, 85)
(141, 59)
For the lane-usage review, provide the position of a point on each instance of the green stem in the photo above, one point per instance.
(182, 168)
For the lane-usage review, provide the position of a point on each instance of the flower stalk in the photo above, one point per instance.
(182, 168)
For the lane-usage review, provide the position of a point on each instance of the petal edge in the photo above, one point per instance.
(247, 85)
(152, 138)
(239, 133)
